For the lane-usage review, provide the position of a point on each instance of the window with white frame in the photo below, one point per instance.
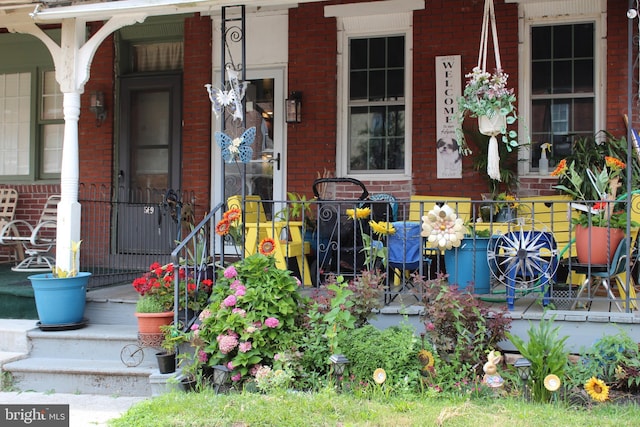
(376, 105)
(563, 87)
(15, 117)
(17, 129)
(374, 87)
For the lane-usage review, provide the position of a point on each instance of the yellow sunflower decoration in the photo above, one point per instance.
(267, 246)
(358, 213)
(426, 358)
(379, 376)
(597, 389)
(382, 228)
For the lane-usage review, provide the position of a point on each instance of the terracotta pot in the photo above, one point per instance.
(601, 251)
(149, 323)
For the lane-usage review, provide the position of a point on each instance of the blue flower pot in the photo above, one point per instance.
(471, 267)
(60, 301)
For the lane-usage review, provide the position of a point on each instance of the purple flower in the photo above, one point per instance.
(230, 301)
(244, 346)
(236, 377)
(230, 272)
(272, 322)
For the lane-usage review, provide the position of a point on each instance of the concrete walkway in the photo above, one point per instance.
(85, 409)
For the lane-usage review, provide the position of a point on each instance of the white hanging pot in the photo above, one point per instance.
(492, 126)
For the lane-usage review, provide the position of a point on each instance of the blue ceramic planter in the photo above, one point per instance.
(471, 268)
(60, 301)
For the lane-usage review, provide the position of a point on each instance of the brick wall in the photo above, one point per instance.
(196, 110)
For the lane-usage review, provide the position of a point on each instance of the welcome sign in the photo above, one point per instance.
(448, 90)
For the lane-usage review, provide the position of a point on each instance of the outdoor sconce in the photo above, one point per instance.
(96, 106)
(339, 363)
(220, 376)
(294, 107)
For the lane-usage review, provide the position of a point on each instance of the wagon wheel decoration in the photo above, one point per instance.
(523, 258)
(131, 355)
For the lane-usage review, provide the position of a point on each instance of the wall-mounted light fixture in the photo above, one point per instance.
(96, 106)
(294, 107)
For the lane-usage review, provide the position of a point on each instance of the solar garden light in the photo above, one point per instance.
(523, 367)
(339, 363)
(220, 376)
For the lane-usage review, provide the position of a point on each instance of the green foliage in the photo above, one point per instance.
(367, 290)
(461, 328)
(394, 349)
(547, 354)
(589, 153)
(251, 316)
(150, 304)
(173, 337)
(613, 359)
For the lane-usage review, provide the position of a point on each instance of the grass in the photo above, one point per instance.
(327, 408)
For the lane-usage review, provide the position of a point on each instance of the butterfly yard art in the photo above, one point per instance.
(230, 96)
(236, 149)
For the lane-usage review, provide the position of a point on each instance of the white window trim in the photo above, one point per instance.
(394, 17)
(583, 11)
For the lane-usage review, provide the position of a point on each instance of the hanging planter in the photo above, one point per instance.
(487, 97)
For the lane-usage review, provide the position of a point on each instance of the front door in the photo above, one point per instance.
(263, 175)
(149, 163)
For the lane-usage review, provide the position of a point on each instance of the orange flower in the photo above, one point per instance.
(223, 227)
(561, 168)
(232, 214)
(267, 246)
(614, 164)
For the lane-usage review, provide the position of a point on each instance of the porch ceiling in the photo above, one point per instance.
(92, 10)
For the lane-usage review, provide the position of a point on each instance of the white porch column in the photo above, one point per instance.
(68, 229)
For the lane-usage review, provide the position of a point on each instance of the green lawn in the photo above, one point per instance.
(330, 409)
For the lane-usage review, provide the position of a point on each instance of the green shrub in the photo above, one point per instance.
(547, 354)
(613, 359)
(149, 304)
(394, 349)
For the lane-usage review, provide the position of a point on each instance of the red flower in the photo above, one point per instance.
(207, 282)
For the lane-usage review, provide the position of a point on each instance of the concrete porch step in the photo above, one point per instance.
(110, 377)
(114, 305)
(97, 359)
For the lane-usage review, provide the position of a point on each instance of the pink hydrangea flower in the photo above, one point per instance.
(244, 346)
(272, 322)
(195, 327)
(230, 301)
(226, 343)
(230, 365)
(203, 356)
(237, 377)
(230, 272)
(430, 326)
(235, 284)
(240, 312)
(240, 291)
(254, 369)
(250, 329)
(206, 313)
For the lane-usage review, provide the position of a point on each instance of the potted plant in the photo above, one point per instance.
(601, 223)
(172, 338)
(156, 288)
(60, 296)
(487, 98)
(465, 255)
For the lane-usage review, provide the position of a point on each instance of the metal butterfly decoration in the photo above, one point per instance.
(222, 98)
(238, 148)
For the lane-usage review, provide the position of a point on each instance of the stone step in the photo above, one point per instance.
(114, 305)
(93, 342)
(13, 335)
(110, 377)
